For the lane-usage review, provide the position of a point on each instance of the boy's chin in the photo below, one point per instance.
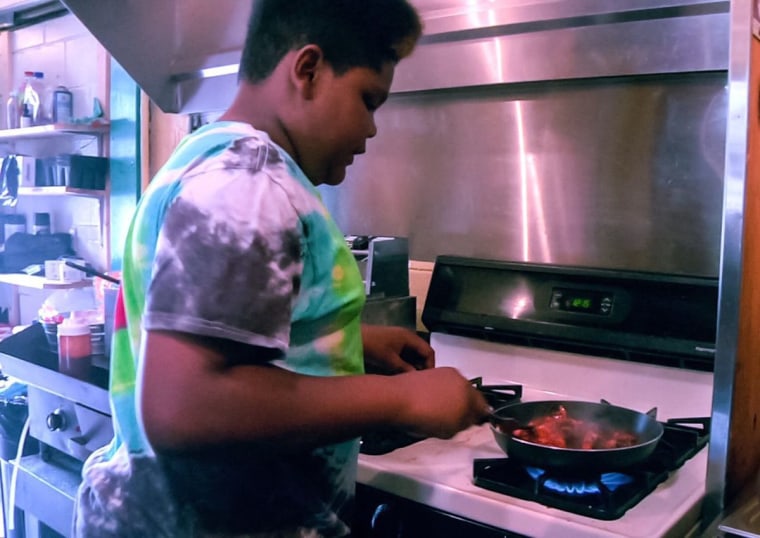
(335, 176)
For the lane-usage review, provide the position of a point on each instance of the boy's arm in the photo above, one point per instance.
(192, 396)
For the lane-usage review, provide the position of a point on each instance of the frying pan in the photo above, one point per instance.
(645, 428)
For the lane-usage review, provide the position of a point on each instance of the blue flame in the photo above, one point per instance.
(611, 481)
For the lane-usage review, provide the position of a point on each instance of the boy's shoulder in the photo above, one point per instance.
(229, 145)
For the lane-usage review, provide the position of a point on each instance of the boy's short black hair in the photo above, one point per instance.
(351, 33)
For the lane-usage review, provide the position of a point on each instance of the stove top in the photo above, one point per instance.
(604, 496)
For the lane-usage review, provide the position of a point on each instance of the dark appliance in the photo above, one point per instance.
(69, 418)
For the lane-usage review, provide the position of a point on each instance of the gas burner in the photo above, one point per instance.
(604, 483)
(605, 496)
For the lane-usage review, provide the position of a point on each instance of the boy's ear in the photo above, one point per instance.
(306, 68)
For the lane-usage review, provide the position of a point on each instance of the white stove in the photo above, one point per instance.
(439, 473)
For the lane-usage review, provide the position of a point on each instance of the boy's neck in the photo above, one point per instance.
(259, 105)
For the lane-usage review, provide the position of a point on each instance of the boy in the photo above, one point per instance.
(237, 375)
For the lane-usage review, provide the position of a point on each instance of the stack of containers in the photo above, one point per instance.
(61, 306)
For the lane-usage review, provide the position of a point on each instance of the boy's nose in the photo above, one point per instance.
(372, 129)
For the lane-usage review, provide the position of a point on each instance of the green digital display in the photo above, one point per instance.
(581, 303)
(586, 301)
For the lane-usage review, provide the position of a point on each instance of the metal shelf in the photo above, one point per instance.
(21, 280)
(60, 191)
(52, 130)
(40, 283)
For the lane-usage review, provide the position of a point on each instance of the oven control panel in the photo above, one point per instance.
(633, 315)
(66, 425)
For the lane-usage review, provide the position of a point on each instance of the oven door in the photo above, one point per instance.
(384, 515)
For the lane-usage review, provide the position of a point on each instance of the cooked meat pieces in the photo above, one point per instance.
(562, 431)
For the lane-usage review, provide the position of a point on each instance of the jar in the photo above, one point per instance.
(13, 223)
(62, 105)
(41, 224)
(74, 346)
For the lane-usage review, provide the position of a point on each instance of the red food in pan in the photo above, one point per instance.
(562, 431)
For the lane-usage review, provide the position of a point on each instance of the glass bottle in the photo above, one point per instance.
(30, 101)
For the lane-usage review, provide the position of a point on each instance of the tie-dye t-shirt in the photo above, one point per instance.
(231, 241)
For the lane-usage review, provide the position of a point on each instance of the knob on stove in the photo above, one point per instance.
(56, 421)
(386, 522)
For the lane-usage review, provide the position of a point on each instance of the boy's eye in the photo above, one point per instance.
(374, 100)
(370, 103)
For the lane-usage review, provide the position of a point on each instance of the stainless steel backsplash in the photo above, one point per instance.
(580, 159)
(611, 173)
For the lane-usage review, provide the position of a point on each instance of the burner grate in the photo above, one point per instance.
(498, 395)
(681, 440)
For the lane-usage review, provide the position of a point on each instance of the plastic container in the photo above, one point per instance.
(81, 171)
(44, 94)
(97, 337)
(30, 101)
(74, 346)
(51, 334)
(12, 111)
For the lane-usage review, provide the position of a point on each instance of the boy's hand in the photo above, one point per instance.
(392, 350)
(439, 403)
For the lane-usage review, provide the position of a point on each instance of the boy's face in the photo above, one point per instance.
(342, 120)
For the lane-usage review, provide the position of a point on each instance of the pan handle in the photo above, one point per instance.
(92, 272)
(652, 413)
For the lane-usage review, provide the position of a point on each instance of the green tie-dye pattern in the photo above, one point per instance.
(325, 332)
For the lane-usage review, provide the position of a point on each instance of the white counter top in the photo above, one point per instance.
(438, 473)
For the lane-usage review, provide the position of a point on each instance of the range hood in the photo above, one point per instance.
(184, 53)
(16, 14)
